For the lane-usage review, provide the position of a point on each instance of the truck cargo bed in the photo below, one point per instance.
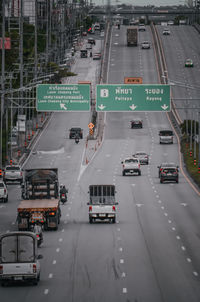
(38, 204)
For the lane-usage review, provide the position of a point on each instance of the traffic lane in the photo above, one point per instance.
(155, 265)
(8, 211)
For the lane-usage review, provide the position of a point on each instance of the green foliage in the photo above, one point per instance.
(183, 127)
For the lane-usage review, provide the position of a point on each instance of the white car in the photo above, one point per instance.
(13, 173)
(131, 166)
(142, 156)
(3, 192)
(166, 31)
(145, 45)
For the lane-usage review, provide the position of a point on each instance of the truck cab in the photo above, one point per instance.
(102, 203)
(19, 260)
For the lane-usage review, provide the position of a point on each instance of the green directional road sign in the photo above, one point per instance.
(120, 97)
(69, 97)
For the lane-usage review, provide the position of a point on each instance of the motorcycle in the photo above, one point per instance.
(38, 233)
(63, 198)
(76, 140)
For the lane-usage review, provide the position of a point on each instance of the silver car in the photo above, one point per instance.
(3, 192)
(142, 156)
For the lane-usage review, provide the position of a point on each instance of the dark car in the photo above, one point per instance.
(91, 41)
(75, 132)
(83, 53)
(166, 165)
(136, 123)
(169, 174)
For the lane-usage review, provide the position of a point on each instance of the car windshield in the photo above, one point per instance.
(169, 170)
(131, 160)
(12, 168)
(166, 133)
(1, 185)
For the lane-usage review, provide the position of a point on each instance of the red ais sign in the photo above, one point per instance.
(7, 44)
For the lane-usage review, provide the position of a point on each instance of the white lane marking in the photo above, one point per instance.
(184, 204)
(183, 248)
(62, 230)
(118, 229)
(117, 221)
(139, 204)
(166, 214)
(108, 155)
(124, 290)
(58, 250)
(13, 222)
(46, 291)
(133, 185)
(120, 249)
(169, 221)
(54, 262)
(121, 261)
(60, 239)
(123, 275)
(178, 237)
(157, 196)
(118, 238)
(7, 231)
(98, 170)
(65, 222)
(69, 208)
(195, 274)
(50, 276)
(173, 229)
(67, 215)
(155, 191)
(189, 260)
(162, 208)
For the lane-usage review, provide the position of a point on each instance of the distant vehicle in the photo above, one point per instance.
(102, 203)
(166, 136)
(102, 34)
(145, 45)
(3, 192)
(136, 123)
(131, 166)
(73, 132)
(169, 174)
(170, 22)
(83, 53)
(19, 260)
(88, 46)
(142, 156)
(91, 41)
(97, 26)
(132, 36)
(189, 63)
(84, 33)
(97, 56)
(13, 173)
(141, 27)
(166, 31)
(166, 165)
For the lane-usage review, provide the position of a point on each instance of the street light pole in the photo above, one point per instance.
(2, 81)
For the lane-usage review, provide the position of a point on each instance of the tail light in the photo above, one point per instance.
(37, 235)
(21, 173)
(139, 165)
(90, 208)
(34, 268)
(63, 195)
(113, 208)
(1, 269)
(4, 191)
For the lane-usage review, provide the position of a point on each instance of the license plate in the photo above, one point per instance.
(18, 278)
(102, 215)
(169, 174)
(131, 171)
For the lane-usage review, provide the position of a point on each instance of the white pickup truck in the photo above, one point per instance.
(102, 204)
(131, 166)
(13, 173)
(18, 258)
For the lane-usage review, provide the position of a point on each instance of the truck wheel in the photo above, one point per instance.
(6, 199)
(161, 180)
(123, 173)
(139, 173)
(35, 282)
(177, 180)
(91, 220)
(114, 220)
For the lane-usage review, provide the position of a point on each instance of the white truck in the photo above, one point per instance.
(131, 166)
(102, 204)
(19, 260)
(13, 173)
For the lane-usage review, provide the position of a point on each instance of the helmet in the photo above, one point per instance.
(61, 186)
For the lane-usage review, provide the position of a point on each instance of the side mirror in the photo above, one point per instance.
(39, 257)
(122, 162)
(116, 203)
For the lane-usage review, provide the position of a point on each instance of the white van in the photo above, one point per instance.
(19, 258)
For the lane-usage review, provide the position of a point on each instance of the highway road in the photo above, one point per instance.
(151, 254)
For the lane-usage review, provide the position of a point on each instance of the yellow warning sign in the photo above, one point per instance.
(131, 80)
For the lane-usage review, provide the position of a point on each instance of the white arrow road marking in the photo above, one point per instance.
(62, 106)
(46, 291)
(139, 204)
(123, 275)
(101, 107)
(184, 204)
(132, 107)
(124, 290)
(164, 107)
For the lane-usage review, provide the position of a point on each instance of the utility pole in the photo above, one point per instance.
(21, 49)
(2, 81)
(35, 46)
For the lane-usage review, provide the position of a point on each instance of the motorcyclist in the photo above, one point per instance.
(76, 138)
(37, 229)
(63, 190)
